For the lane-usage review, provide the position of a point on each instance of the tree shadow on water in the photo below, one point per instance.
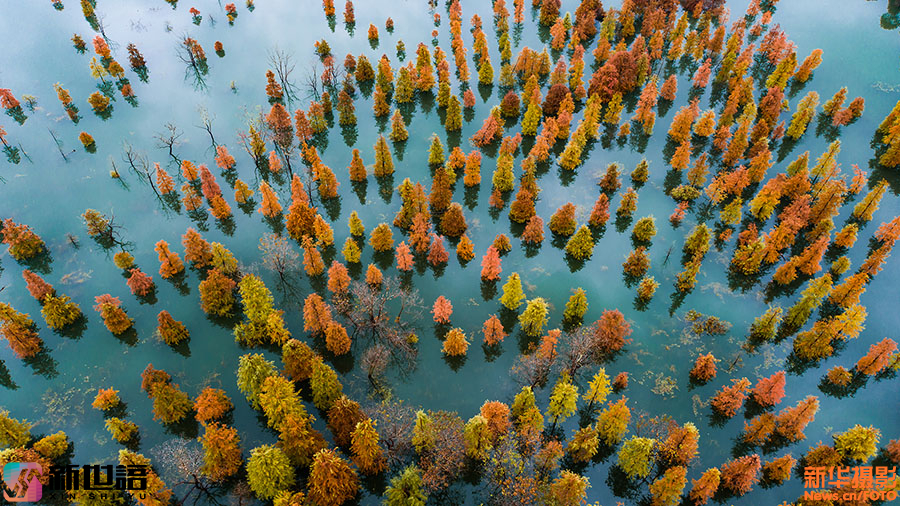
(6, 380)
(42, 364)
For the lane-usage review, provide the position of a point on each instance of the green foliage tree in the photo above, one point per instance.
(534, 317)
(253, 369)
(278, 400)
(563, 400)
(512, 292)
(478, 438)
(598, 389)
(122, 431)
(765, 325)
(367, 454)
(635, 456)
(576, 306)
(264, 324)
(170, 404)
(612, 422)
(423, 437)
(405, 489)
(59, 311)
(581, 245)
(436, 151)
(325, 385)
(583, 444)
(857, 443)
(644, 229)
(269, 472)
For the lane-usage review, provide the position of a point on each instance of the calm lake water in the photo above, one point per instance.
(49, 194)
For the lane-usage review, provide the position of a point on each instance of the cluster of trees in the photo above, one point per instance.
(518, 443)
(170, 404)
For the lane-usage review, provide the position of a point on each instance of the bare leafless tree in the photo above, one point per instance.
(278, 255)
(533, 369)
(578, 351)
(101, 27)
(375, 361)
(181, 461)
(59, 145)
(312, 82)
(444, 461)
(387, 314)
(395, 421)
(283, 64)
(168, 139)
(115, 171)
(206, 124)
(241, 494)
(139, 164)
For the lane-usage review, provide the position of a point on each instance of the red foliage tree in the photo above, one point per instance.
(442, 310)
(704, 368)
(610, 332)
(769, 391)
(490, 265)
(892, 450)
(534, 231)
(140, 283)
(620, 382)
(701, 77)
(730, 398)
(877, 358)
(493, 331)
(790, 422)
(739, 475)
(37, 287)
(437, 253)
(404, 257)
(600, 212)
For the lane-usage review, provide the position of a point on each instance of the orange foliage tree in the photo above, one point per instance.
(493, 331)
(211, 404)
(878, 357)
(704, 368)
(791, 421)
(331, 479)
(19, 332)
(170, 263)
(170, 330)
(739, 475)
(114, 317)
(730, 398)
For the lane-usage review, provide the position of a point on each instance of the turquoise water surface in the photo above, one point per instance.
(49, 193)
